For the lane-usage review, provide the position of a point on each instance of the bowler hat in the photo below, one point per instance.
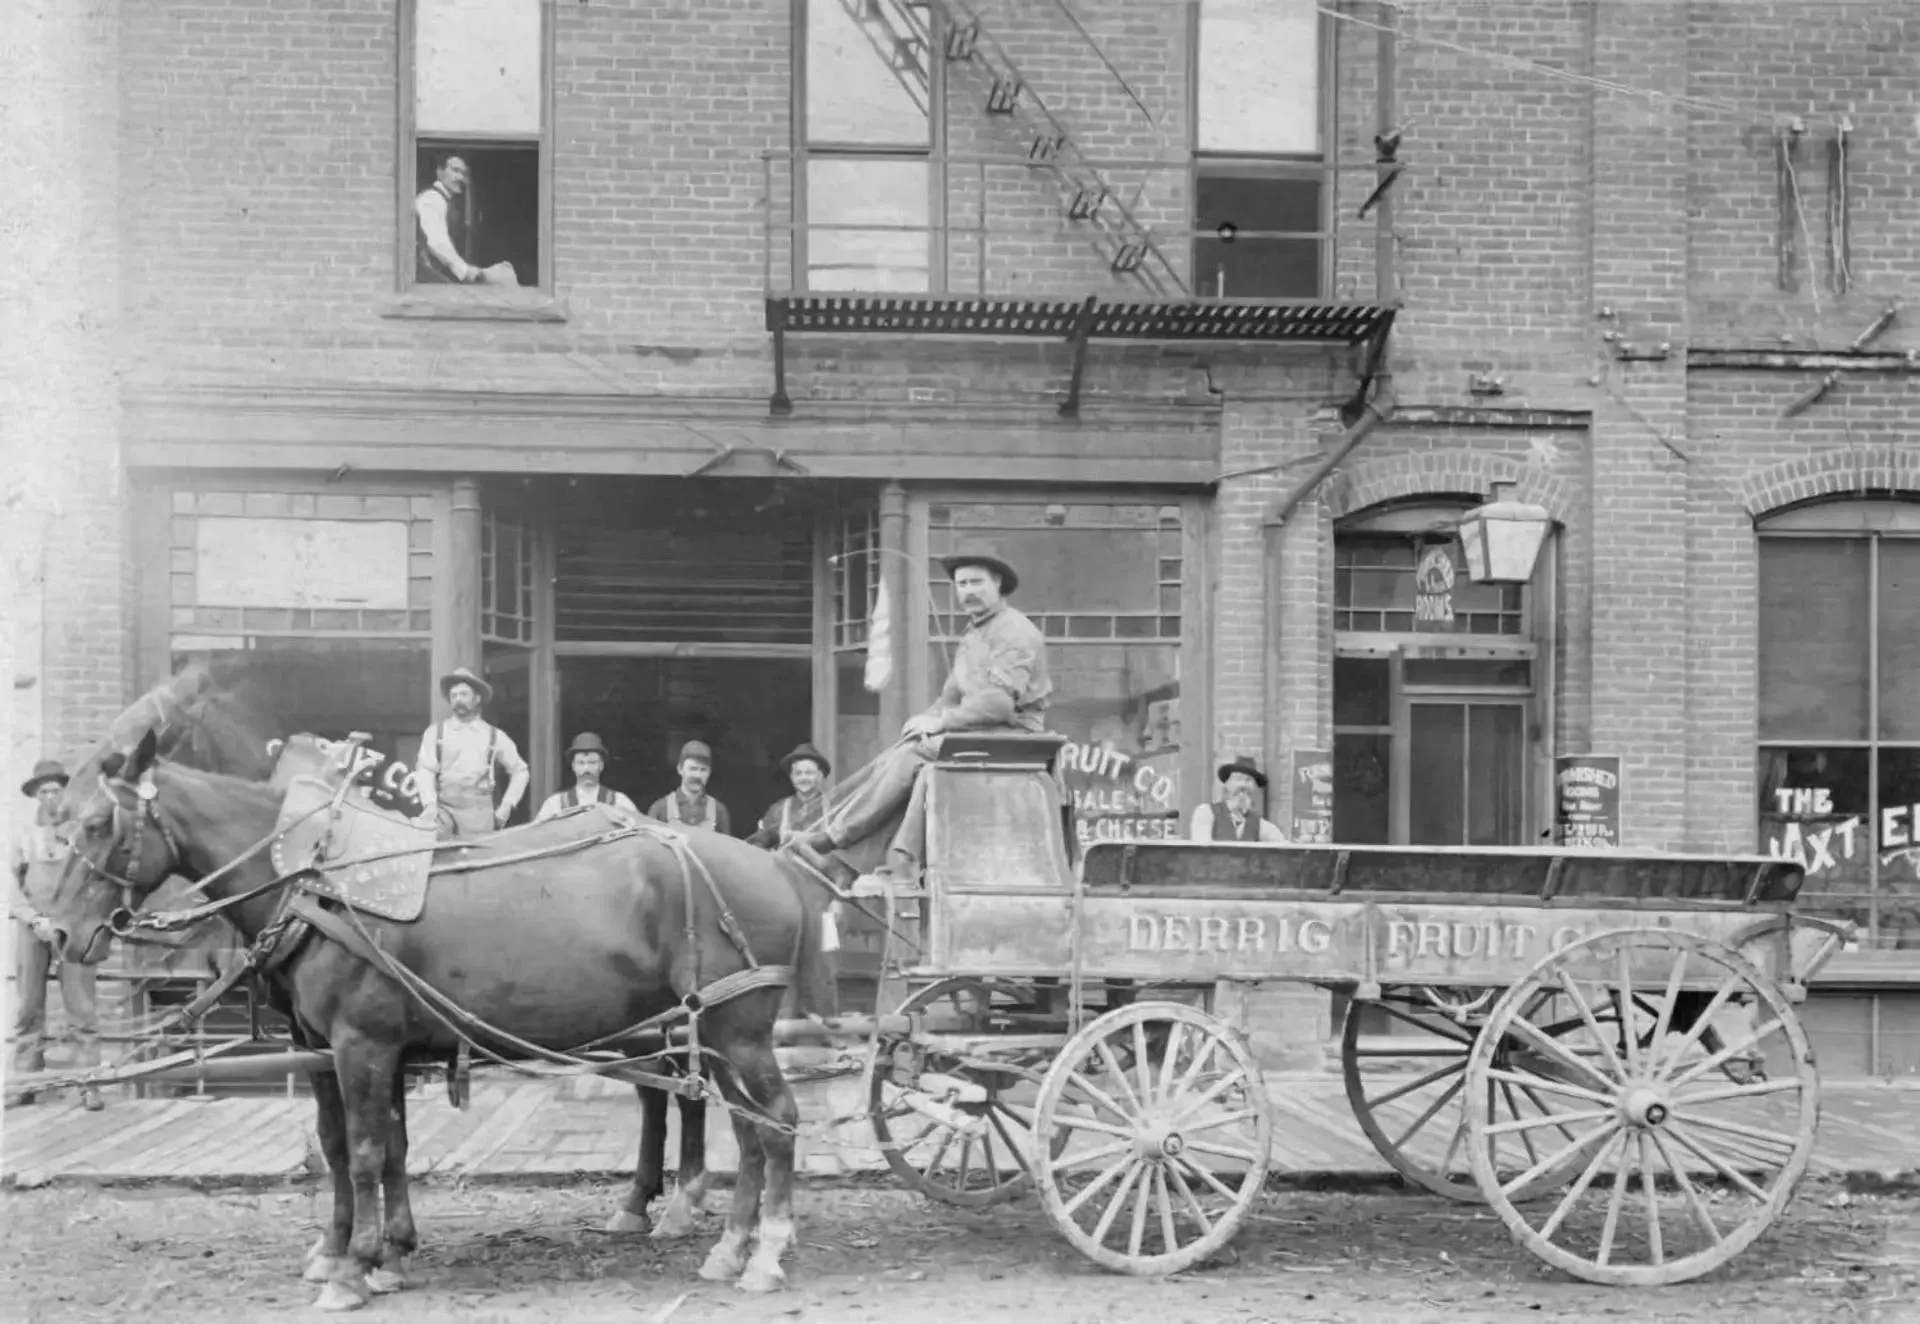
(981, 556)
(1246, 765)
(696, 749)
(462, 676)
(805, 750)
(46, 770)
(587, 743)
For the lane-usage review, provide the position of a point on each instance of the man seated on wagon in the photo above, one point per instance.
(998, 683)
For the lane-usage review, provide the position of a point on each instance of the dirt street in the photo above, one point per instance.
(881, 1254)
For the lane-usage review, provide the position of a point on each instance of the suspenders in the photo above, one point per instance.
(440, 753)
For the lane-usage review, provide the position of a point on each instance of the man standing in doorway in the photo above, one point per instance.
(1232, 817)
(39, 858)
(455, 774)
(588, 758)
(998, 683)
(807, 768)
(691, 806)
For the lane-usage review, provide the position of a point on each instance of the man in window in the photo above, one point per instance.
(998, 683)
(588, 758)
(458, 761)
(1232, 817)
(440, 234)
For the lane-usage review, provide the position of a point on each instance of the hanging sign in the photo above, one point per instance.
(1433, 577)
(1587, 800)
(1312, 796)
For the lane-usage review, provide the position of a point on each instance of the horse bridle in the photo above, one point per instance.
(128, 840)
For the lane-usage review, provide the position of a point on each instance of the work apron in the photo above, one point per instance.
(466, 802)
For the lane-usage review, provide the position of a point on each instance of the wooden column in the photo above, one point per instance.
(456, 583)
(543, 687)
(896, 572)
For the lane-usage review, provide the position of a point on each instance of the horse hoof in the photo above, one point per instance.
(758, 1279)
(675, 1229)
(321, 1268)
(625, 1220)
(721, 1266)
(316, 1250)
(384, 1279)
(336, 1297)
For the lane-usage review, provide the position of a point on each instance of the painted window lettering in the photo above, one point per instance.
(1118, 796)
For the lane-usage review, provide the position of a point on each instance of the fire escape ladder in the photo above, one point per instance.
(1086, 199)
(899, 36)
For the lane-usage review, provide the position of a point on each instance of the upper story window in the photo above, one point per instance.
(476, 124)
(1259, 193)
(865, 131)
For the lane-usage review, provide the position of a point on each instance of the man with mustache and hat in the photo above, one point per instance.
(1232, 818)
(691, 806)
(807, 768)
(39, 858)
(587, 756)
(454, 776)
(998, 682)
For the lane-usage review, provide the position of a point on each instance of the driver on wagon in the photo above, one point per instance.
(998, 683)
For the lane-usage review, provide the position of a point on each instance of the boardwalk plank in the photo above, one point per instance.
(195, 1130)
(269, 1125)
(103, 1155)
(72, 1127)
(495, 1132)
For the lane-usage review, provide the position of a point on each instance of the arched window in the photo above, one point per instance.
(1839, 693)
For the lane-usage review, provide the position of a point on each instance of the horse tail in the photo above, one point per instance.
(815, 982)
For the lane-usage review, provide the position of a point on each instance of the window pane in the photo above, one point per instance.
(1496, 764)
(1362, 691)
(853, 193)
(1362, 809)
(1814, 809)
(1228, 263)
(476, 66)
(1813, 638)
(1259, 76)
(493, 219)
(867, 79)
(1899, 639)
(1374, 589)
(1899, 842)
(1119, 705)
(1436, 790)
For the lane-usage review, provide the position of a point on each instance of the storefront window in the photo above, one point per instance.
(1839, 760)
(1103, 583)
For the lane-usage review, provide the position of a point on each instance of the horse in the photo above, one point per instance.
(649, 920)
(388, 783)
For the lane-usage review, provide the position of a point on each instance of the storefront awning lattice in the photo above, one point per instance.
(1078, 321)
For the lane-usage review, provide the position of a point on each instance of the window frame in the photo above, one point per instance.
(805, 151)
(406, 180)
(1870, 518)
(1268, 165)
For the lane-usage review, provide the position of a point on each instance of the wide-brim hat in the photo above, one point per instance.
(1246, 765)
(46, 770)
(982, 556)
(587, 743)
(462, 676)
(805, 750)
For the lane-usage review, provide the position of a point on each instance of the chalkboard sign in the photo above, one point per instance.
(1587, 799)
(1312, 796)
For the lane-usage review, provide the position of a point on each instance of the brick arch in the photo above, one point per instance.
(1841, 471)
(1429, 473)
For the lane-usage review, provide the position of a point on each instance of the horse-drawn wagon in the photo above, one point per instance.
(1604, 1045)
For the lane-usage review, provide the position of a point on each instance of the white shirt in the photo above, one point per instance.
(465, 752)
(556, 804)
(431, 208)
(1203, 827)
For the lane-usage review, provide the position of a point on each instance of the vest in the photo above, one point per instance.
(710, 820)
(1223, 825)
(427, 267)
(572, 798)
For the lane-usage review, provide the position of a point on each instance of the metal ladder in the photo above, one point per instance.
(903, 39)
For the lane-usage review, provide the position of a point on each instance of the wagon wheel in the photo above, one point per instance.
(1650, 1112)
(985, 1159)
(1174, 1137)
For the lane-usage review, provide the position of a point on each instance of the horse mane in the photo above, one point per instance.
(199, 722)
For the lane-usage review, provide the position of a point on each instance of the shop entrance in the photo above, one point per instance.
(750, 710)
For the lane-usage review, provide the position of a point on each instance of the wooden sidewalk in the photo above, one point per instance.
(518, 1130)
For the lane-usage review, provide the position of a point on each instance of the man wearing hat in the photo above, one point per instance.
(998, 682)
(39, 858)
(807, 768)
(588, 758)
(691, 806)
(1232, 817)
(455, 774)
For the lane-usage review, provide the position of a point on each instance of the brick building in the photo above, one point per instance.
(655, 487)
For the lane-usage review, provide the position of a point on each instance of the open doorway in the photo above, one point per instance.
(750, 710)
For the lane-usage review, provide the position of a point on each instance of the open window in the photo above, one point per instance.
(476, 154)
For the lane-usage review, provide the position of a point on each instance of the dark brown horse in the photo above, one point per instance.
(557, 950)
(388, 784)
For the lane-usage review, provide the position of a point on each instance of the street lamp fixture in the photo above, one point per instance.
(1501, 540)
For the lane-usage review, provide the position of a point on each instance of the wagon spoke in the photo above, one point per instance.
(1524, 1124)
(1555, 1049)
(1580, 1185)
(1756, 1134)
(1214, 1091)
(1112, 1211)
(1191, 1200)
(1222, 1151)
(1395, 1095)
(1676, 977)
(1104, 1152)
(946, 1143)
(1580, 1005)
(1006, 1138)
(1748, 1091)
(1169, 1236)
(1085, 1122)
(1137, 1235)
(1609, 1228)
(1175, 1033)
(1122, 1086)
(1434, 1023)
(1099, 1183)
(1555, 1159)
(1549, 1084)
(1629, 1044)
(1702, 1023)
(1701, 1213)
(963, 1165)
(1234, 1118)
(1714, 1161)
(1656, 1248)
(1736, 1049)
(1419, 1123)
(1142, 1067)
(1207, 1176)
(1526, 1138)
(1100, 1097)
